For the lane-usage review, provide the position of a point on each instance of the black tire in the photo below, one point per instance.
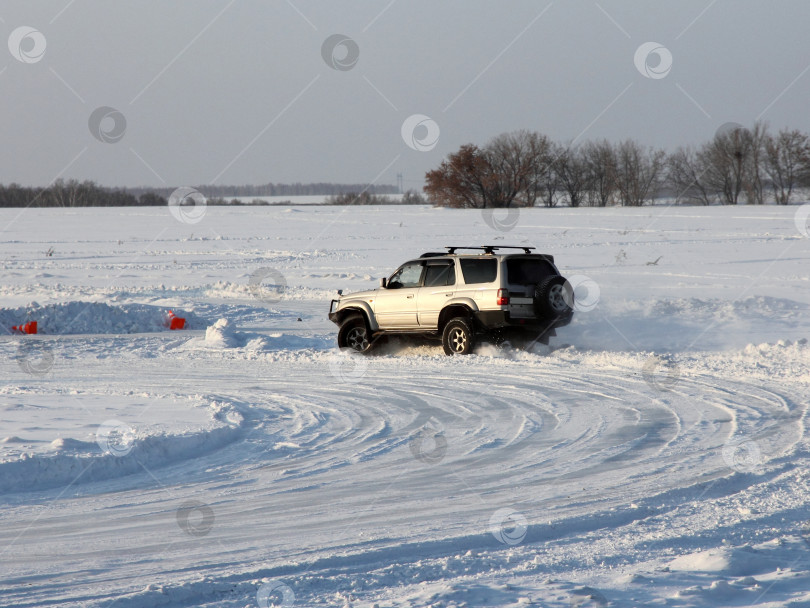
(553, 298)
(354, 334)
(458, 337)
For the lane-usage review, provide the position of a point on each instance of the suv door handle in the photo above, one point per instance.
(409, 297)
(449, 294)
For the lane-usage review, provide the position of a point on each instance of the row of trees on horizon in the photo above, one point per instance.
(271, 189)
(526, 168)
(73, 193)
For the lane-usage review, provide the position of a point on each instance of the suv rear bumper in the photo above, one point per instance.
(500, 319)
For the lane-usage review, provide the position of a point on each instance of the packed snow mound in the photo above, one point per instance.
(730, 561)
(224, 334)
(779, 347)
(94, 318)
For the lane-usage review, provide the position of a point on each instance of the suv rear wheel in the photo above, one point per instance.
(458, 337)
(354, 334)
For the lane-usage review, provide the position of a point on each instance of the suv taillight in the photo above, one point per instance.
(503, 297)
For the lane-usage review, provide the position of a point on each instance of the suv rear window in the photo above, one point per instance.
(479, 270)
(527, 271)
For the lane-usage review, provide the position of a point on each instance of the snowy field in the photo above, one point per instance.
(655, 453)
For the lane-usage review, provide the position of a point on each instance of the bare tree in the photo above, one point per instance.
(547, 181)
(570, 168)
(508, 171)
(539, 152)
(754, 168)
(787, 156)
(516, 162)
(686, 175)
(727, 160)
(600, 172)
(65, 193)
(462, 180)
(639, 173)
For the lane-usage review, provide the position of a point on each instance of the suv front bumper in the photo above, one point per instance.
(333, 311)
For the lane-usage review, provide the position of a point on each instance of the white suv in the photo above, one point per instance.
(459, 297)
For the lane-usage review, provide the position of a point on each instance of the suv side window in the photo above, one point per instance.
(408, 275)
(479, 270)
(438, 275)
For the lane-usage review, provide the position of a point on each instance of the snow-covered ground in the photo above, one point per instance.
(654, 454)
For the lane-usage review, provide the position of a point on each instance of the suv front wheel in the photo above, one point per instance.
(458, 337)
(354, 334)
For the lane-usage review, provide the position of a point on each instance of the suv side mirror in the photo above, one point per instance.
(383, 282)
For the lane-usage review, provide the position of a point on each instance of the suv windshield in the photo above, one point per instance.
(407, 276)
(481, 270)
(527, 271)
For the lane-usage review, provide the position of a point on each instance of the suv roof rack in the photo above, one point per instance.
(432, 254)
(489, 248)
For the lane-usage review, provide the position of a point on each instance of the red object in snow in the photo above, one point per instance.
(28, 328)
(176, 322)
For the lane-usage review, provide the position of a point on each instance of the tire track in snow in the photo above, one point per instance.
(325, 480)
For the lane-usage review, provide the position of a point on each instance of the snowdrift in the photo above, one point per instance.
(111, 449)
(94, 318)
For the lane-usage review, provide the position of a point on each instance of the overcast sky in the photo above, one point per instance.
(244, 91)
